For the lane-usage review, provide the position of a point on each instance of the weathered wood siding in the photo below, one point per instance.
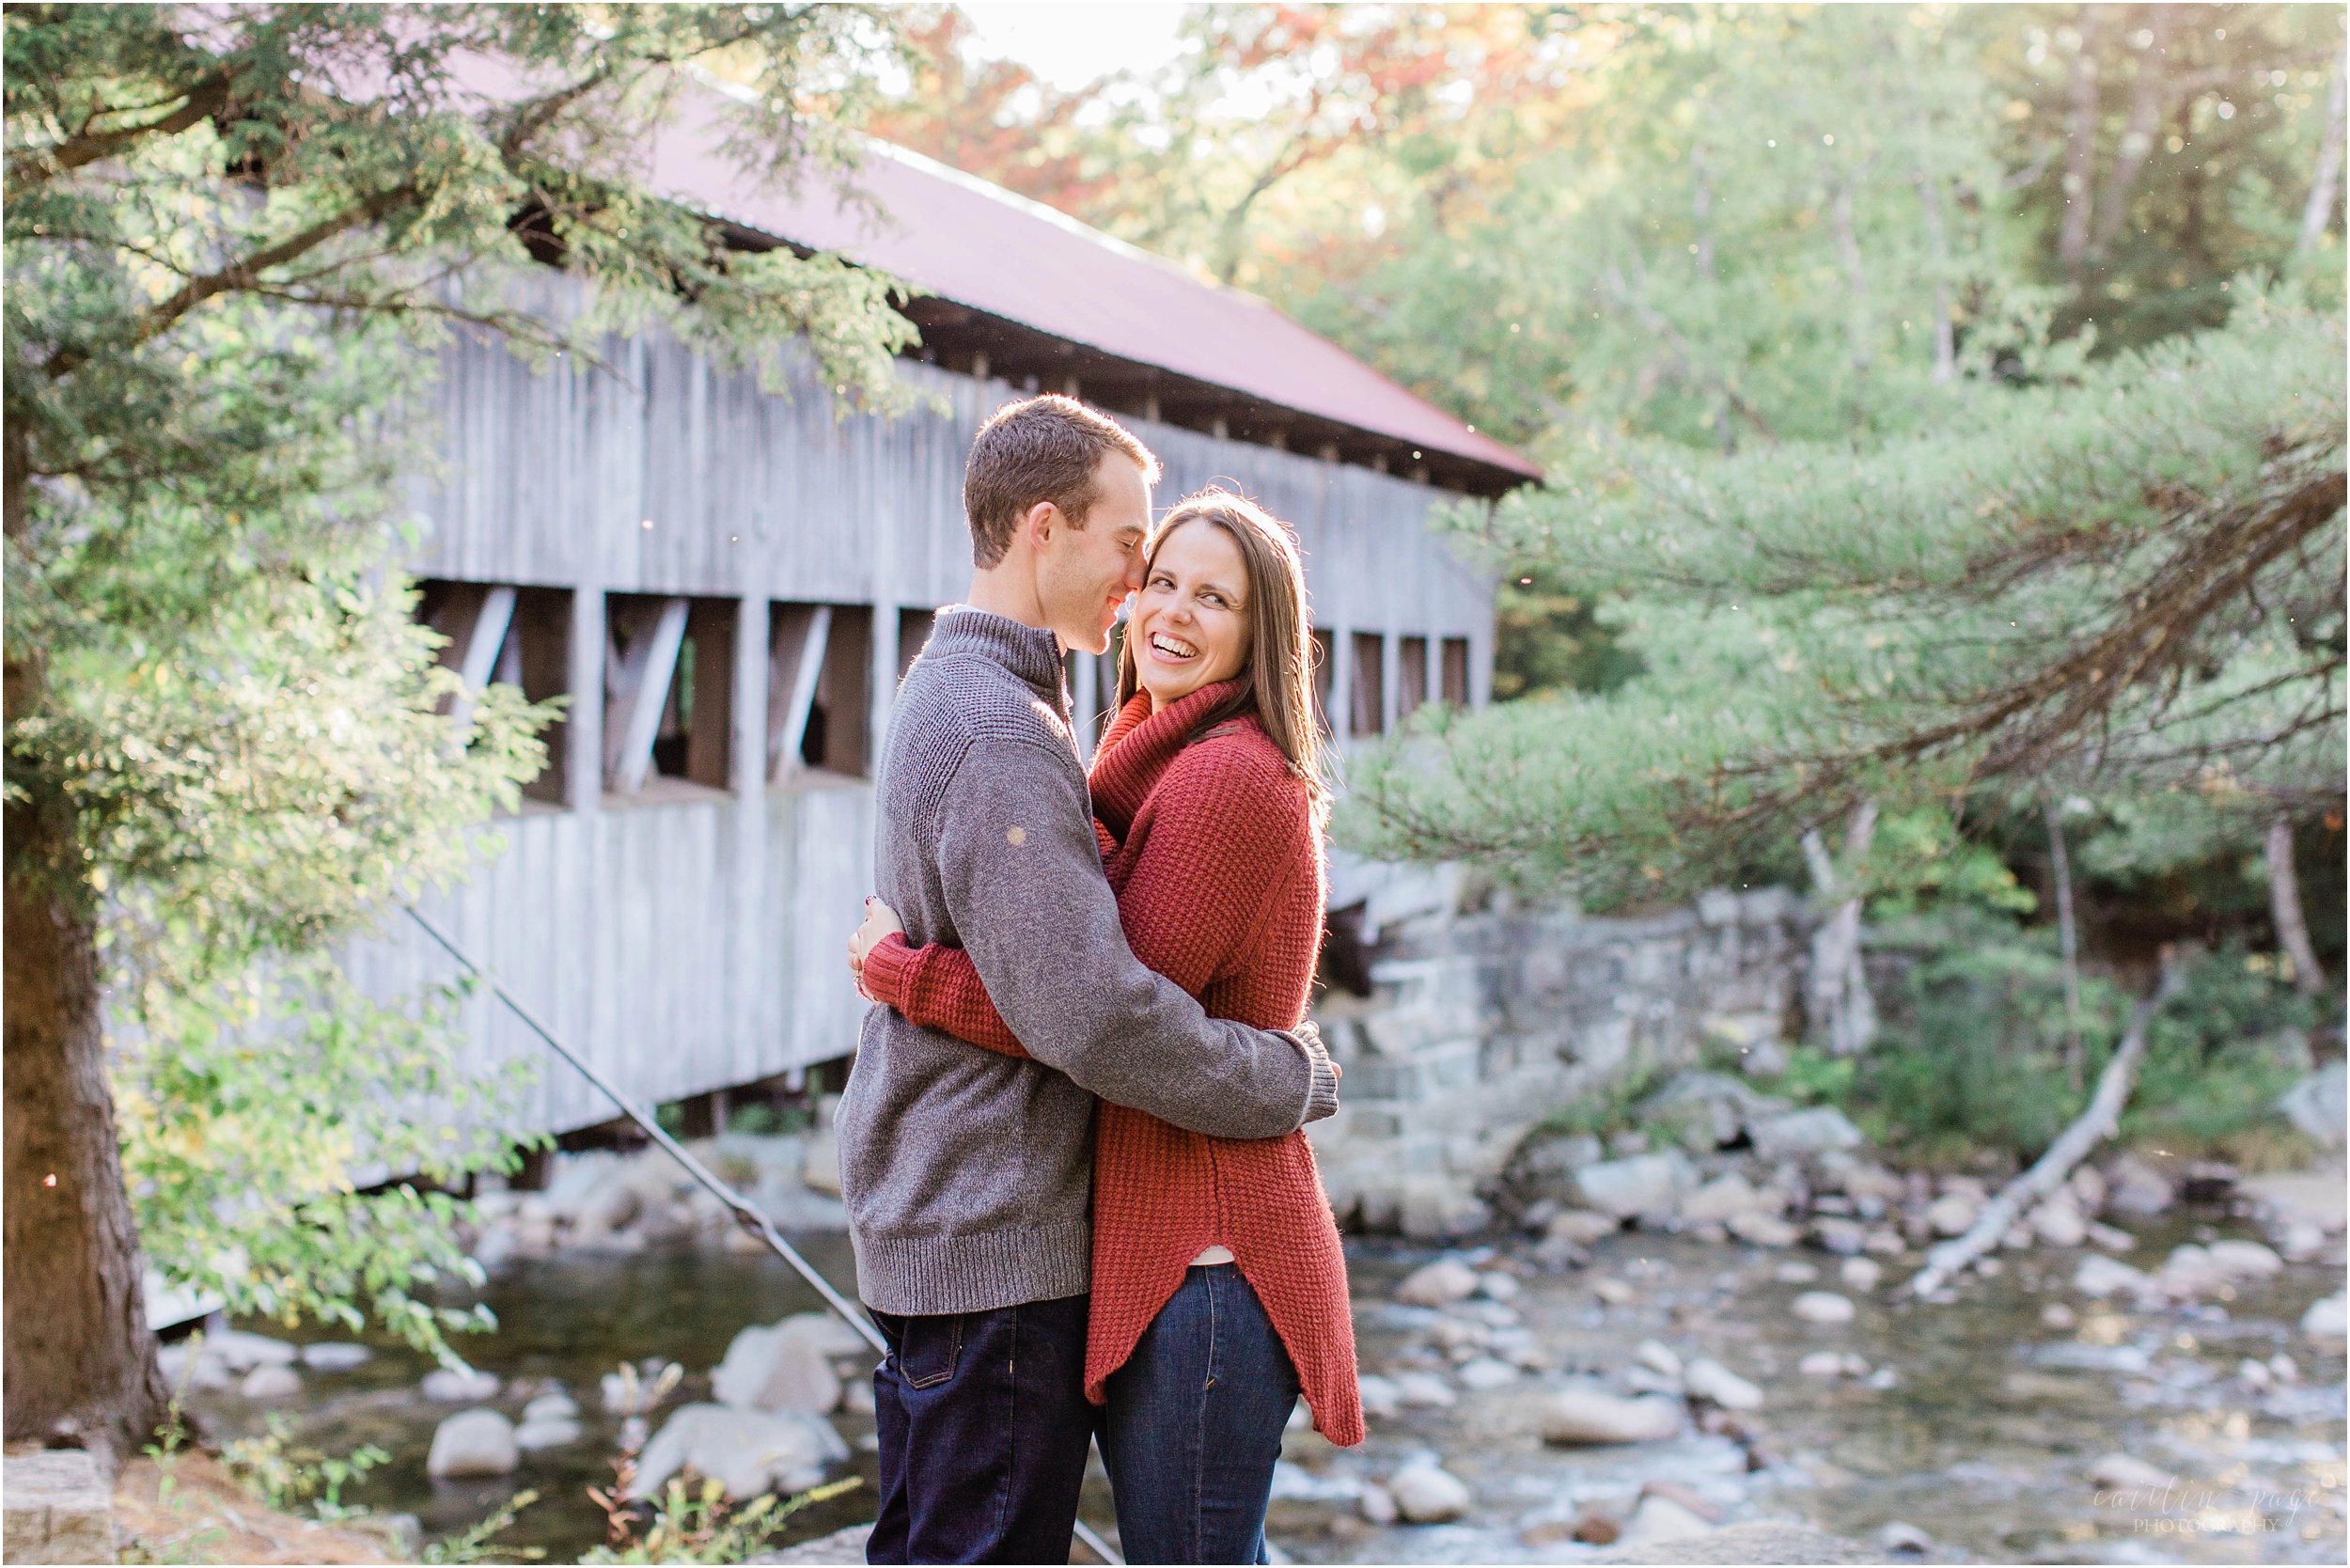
(690, 938)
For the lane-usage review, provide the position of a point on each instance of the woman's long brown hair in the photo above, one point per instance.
(1276, 681)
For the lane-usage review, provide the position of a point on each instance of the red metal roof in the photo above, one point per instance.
(980, 245)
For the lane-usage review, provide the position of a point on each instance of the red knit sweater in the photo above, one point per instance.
(1215, 857)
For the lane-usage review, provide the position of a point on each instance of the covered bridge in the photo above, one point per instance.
(729, 586)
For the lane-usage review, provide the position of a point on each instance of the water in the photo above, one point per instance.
(1982, 1440)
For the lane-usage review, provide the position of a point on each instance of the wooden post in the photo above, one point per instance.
(884, 690)
(797, 662)
(583, 723)
(747, 754)
(1085, 701)
(647, 666)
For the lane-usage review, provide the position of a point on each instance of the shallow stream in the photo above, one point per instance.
(1982, 1440)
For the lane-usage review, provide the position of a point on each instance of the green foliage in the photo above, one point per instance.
(287, 1476)
(694, 1524)
(234, 243)
(478, 1542)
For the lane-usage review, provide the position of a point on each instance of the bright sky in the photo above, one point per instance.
(1070, 45)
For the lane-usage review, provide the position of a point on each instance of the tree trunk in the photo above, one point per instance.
(2149, 94)
(1842, 1013)
(80, 1361)
(2068, 940)
(2284, 905)
(2320, 206)
(2081, 149)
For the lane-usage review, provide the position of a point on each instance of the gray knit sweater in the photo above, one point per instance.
(968, 1175)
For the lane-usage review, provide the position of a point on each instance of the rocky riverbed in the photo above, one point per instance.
(2154, 1374)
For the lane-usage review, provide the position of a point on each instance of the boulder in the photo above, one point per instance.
(1721, 1198)
(1438, 1284)
(473, 1443)
(1381, 1400)
(608, 1209)
(1824, 1306)
(1843, 1237)
(821, 1167)
(2188, 1273)
(271, 1380)
(2099, 1276)
(450, 1386)
(1861, 1274)
(330, 1356)
(1424, 1390)
(1496, 1285)
(2307, 1197)
(786, 1367)
(2316, 1105)
(747, 1451)
(59, 1508)
(550, 1432)
(1426, 1493)
(1482, 1374)
(1646, 1187)
(1763, 1229)
(1658, 1520)
(1581, 1226)
(2135, 1187)
(555, 1407)
(1707, 1110)
(1821, 1363)
(1657, 1357)
(1378, 1504)
(241, 1351)
(1902, 1539)
(1794, 1272)
(2243, 1260)
(1708, 1379)
(1805, 1132)
(1584, 1416)
(2088, 1187)
(2326, 1320)
(2058, 1223)
(1952, 1213)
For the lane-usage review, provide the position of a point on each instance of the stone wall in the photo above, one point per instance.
(1481, 1025)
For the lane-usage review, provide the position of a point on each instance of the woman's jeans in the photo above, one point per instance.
(1194, 1425)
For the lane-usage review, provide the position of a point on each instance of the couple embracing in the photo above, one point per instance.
(1070, 1146)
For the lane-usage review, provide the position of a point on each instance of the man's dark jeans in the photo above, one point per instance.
(983, 1426)
(1194, 1424)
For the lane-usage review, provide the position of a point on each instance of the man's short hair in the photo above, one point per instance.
(1046, 449)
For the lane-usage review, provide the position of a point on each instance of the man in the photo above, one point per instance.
(968, 1174)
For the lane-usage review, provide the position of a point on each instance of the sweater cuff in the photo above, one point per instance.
(889, 965)
(1321, 1088)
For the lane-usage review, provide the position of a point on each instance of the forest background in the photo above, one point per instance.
(1943, 412)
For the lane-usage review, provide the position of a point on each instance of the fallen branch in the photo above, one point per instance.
(2049, 1171)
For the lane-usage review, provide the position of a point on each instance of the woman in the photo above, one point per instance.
(1219, 1288)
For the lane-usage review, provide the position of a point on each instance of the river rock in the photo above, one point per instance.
(1647, 1186)
(1805, 1132)
(331, 1355)
(2057, 1315)
(1580, 1227)
(2243, 1260)
(1708, 1379)
(747, 1451)
(1378, 1504)
(2099, 1276)
(1718, 1200)
(1843, 1238)
(1821, 1363)
(448, 1386)
(787, 1366)
(1861, 1274)
(1438, 1284)
(1657, 1520)
(2111, 1237)
(2188, 1273)
(2120, 1471)
(1901, 1538)
(1657, 1357)
(2317, 1105)
(2088, 1187)
(2136, 1188)
(1824, 1306)
(1482, 1374)
(2326, 1319)
(549, 1432)
(557, 1406)
(1584, 1416)
(2309, 1197)
(2058, 1223)
(241, 1351)
(1426, 1493)
(1794, 1272)
(1614, 1292)
(1381, 1400)
(1951, 1213)
(1426, 1390)
(1497, 1286)
(473, 1443)
(1763, 1229)
(271, 1380)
